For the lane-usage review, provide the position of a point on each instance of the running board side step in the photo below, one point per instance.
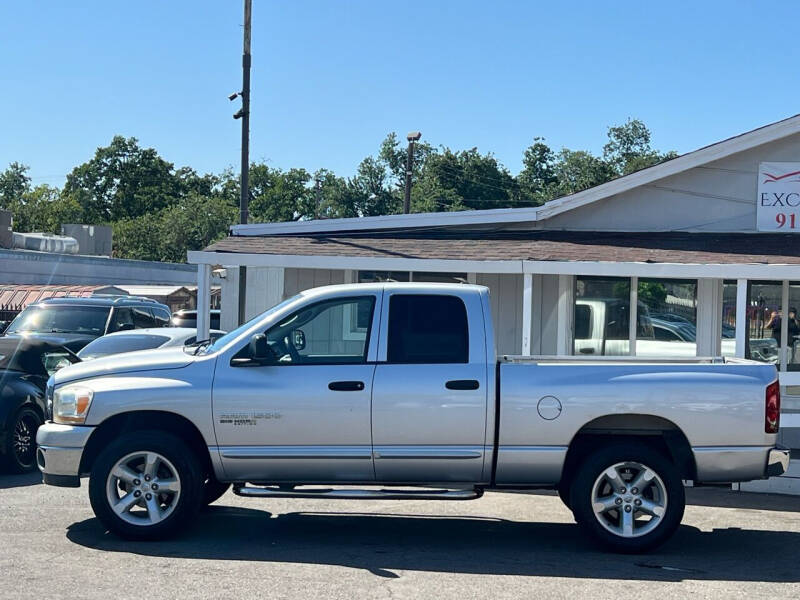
(357, 494)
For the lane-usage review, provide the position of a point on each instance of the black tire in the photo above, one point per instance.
(20, 448)
(178, 457)
(213, 490)
(564, 489)
(668, 482)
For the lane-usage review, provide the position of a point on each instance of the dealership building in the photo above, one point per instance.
(696, 256)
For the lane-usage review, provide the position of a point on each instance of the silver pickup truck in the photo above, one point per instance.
(395, 391)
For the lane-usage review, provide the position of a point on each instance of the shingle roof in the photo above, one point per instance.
(666, 247)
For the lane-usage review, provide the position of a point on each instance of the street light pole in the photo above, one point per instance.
(412, 137)
(245, 181)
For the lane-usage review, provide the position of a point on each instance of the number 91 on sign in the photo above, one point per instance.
(788, 220)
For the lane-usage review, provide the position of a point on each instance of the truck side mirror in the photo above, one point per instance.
(298, 339)
(260, 351)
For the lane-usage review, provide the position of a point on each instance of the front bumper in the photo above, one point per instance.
(777, 461)
(59, 453)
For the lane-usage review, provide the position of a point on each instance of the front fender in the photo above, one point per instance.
(16, 391)
(186, 392)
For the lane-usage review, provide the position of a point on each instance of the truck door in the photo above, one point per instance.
(305, 417)
(429, 394)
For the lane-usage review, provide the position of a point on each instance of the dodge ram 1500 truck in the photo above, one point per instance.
(397, 388)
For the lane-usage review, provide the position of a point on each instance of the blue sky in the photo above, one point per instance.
(332, 78)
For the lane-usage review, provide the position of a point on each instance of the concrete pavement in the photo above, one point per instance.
(505, 545)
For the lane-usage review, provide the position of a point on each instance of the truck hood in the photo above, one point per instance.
(128, 362)
(71, 341)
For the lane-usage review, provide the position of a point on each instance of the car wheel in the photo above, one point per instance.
(146, 485)
(628, 497)
(20, 450)
(213, 490)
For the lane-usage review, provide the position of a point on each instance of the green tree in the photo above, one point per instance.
(466, 179)
(123, 181)
(628, 148)
(14, 183)
(578, 170)
(652, 293)
(192, 223)
(538, 180)
(394, 155)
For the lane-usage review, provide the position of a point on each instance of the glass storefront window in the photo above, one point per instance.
(379, 276)
(763, 321)
(440, 277)
(728, 318)
(602, 309)
(793, 328)
(669, 318)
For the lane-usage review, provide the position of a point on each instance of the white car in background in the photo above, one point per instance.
(142, 339)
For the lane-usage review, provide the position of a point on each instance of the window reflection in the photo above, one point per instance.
(764, 315)
(602, 308)
(671, 316)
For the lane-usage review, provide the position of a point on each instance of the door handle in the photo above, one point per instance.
(346, 386)
(462, 384)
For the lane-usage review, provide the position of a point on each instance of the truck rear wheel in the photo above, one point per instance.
(628, 497)
(146, 485)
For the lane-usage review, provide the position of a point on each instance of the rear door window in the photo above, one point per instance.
(161, 316)
(121, 320)
(428, 329)
(143, 318)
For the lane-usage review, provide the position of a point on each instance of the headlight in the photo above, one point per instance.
(71, 404)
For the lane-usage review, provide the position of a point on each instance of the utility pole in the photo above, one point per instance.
(412, 137)
(244, 114)
(318, 197)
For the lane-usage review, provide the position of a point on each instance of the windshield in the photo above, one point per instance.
(232, 335)
(61, 319)
(117, 344)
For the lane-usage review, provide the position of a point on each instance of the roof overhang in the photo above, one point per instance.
(752, 271)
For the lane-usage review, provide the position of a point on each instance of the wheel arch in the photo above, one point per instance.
(660, 433)
(140, 420)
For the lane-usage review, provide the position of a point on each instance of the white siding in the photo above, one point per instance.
(298, 280)
(718, 196)
(506, 300)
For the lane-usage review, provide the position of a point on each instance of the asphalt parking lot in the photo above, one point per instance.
(501, 546)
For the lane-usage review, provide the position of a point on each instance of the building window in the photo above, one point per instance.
(728, 344)
(380, 276)
(764, 317)
(418, 277)
(667, 318)
(602, 309)
(439, 277)
(793, 328)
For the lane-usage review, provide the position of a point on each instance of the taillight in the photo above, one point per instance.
(772, 414)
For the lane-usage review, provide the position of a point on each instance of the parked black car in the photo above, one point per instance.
(74, 322)
(188, 318)
(25, 366)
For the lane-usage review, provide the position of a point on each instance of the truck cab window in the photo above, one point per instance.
(427, 329)
(319, 333)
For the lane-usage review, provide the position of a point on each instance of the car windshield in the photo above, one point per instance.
(117, 344)
(232, 335)
(61, 319)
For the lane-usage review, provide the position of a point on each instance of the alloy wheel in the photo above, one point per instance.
(143, 488)
(629, 499)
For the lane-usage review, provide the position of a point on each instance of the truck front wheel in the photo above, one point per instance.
(146, 485)
(628, 497)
